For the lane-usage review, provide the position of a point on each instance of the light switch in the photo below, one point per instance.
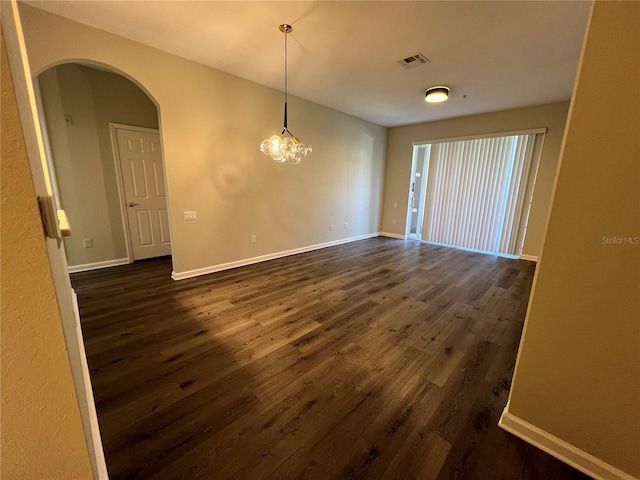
(189, 215)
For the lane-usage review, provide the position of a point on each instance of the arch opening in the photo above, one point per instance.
(103, 141)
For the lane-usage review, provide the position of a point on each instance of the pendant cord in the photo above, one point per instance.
(286, 82)
(286, 85)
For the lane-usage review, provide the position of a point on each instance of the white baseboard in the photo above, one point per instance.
(392, 235)
(531, 258)
(95, 266)
(560, 449)
(473, 250)
(263, 258)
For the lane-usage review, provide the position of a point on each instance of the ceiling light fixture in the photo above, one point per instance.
(285, 147)
(436, 94)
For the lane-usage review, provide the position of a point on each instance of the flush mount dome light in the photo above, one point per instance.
(436, 94)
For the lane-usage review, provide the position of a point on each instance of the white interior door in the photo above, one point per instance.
(140, 158)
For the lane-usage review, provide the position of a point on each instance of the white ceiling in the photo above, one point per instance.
(493, 55)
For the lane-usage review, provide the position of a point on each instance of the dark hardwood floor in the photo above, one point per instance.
(378, 359)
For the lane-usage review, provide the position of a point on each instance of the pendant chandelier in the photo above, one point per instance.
(285, 147)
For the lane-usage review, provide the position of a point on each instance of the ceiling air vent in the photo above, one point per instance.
(414, 60)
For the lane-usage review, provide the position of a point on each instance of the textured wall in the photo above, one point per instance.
(578, 373)
(42, 435)
(400, 149)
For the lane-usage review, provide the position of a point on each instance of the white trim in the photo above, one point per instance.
(560, 449)
(263, 258)
(426, 167)
(425, 158)
(45, 143)
(474, 250)
(97, 265)
(135, 128)
(530, 258)
(530, 131)
(96, 440)
(392, 235)
(409, 214)
(538, 144)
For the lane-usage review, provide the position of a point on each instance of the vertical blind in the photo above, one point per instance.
(476, 192)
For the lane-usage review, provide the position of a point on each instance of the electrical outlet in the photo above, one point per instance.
(393, 222)
(87, 242)
(346, 225)
(253, 239)
(395, 205)
(189, 215)
(331, 227)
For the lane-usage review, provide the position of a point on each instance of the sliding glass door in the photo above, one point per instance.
(476, 192)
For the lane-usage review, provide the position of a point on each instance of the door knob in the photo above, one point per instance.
(131, 204)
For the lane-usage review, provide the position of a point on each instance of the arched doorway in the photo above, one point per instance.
(104, 151)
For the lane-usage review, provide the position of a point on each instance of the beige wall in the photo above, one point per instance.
(400, 150)
(578, 373)
(82, 153)
(212, 125)
(42, 434)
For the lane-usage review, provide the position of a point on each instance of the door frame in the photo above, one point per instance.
(113, 127)
(425, 158)
(30, 118)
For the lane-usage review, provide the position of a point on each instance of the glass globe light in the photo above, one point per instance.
(285, 147)
(275, 148)
(264, 146)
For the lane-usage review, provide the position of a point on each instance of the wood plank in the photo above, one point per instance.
(377, 359)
